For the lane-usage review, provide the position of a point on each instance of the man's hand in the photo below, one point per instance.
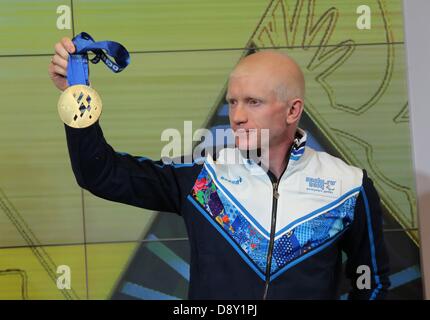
(58, 66)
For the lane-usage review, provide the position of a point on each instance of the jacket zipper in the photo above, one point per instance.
(272, 238)
(275, 198)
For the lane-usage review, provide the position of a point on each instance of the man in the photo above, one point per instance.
(269, 230)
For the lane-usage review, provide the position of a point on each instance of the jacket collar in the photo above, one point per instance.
(298, 146)
(297, 151)
(232, 156)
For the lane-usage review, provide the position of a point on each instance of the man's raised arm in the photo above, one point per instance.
(108, 174)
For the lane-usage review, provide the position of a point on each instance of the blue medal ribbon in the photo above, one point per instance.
(77, 68)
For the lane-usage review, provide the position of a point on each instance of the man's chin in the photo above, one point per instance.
(246, 145)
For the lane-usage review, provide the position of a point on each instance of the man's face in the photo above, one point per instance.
(253, 106)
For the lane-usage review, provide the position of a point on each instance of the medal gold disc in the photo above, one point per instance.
(79, 106)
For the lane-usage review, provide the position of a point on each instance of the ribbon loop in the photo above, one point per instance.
(77, 69)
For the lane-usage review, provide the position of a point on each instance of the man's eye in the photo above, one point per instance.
(254, 101)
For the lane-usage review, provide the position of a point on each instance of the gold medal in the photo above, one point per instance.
(79, 106)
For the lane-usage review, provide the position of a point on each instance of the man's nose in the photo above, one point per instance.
(238, 114)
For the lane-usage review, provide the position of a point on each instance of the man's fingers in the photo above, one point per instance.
(59, 70)
(51, 67)
(61, 51)
(68, 44)
(59, 61)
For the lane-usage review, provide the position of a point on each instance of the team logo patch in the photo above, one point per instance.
(329, 187)
(238, 180)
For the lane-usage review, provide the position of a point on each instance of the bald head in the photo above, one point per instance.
(278, 70)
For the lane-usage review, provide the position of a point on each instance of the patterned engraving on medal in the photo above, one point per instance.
(84, 105)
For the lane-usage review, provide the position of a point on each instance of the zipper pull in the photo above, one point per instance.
(275, 190)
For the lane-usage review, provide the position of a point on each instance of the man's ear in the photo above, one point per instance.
(294, 111)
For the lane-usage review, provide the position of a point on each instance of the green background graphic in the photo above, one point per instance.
(181, 55)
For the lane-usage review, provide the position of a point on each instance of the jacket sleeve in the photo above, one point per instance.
(364, 246)
(120, 177)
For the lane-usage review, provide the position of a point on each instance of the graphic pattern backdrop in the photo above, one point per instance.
(356, 88)
(181, 55)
